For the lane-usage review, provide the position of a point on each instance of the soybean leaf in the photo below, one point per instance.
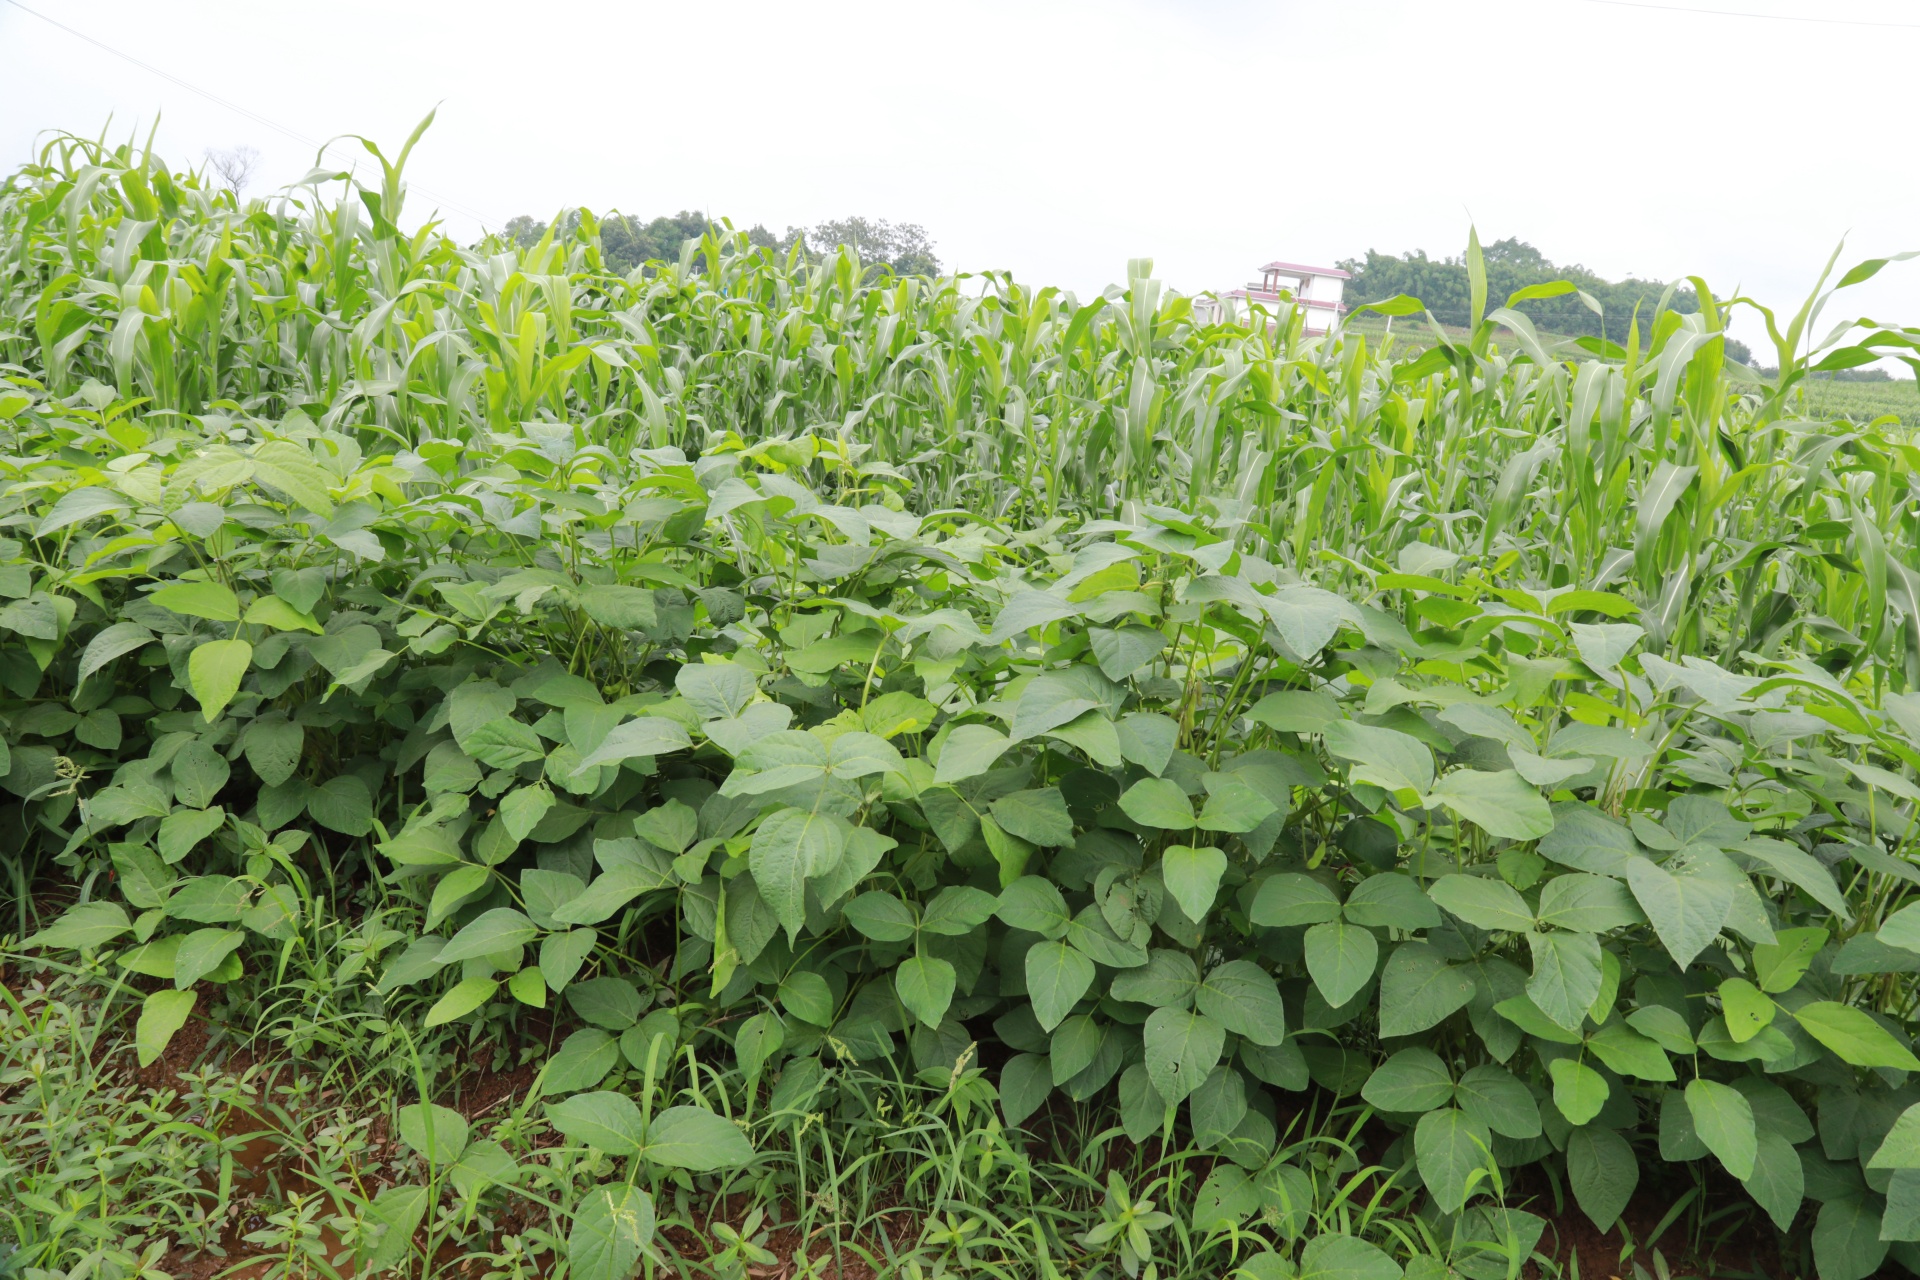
(1294, 899)
(438, 1133)
(1031, 903)
(1602, 1173)
(1419, 989)
(1501, 804)
(1496, 1099)
(1482, 902)
(1723, 1119)
(1331, 1256)
(646, 736)
(1242, 997)
(1232, 806)
(1686, 910)
(215, 670)
(1341, 958)
(1589, 903)
(1158, 802)
(970, 750)
(604, 1120)
(881, 916)
(791, 847)
(611, 1231)
(1390, 900)
(161, 1014)
(1846, 1240)
(958, 910)
(1566, 975)
(1057, 976)
(1412, 1080)
(925, 985)
(1628, 1052)
(1779, 1180)
(1038, 816)
(1181, 1049)
(1192, 876)
(696, 1139)
(583, 1061)
(1578, 1090)
(85, 927)
(462, 1000)
(1450, 1148)
(1169, 979)
(490, 933)
(1385, 757)
(1854, 1036)
(208, 600)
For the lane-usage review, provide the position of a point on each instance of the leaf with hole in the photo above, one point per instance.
(1686, 911)
(1181, 1049)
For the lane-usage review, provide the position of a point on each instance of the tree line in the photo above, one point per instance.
(1513, 264)
(627, 242)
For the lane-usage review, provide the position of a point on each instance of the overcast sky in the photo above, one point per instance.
(1058, 138)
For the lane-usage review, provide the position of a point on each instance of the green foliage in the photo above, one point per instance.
(793, 680)
(1513, 265)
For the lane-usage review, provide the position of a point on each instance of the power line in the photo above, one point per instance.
(255, 116)
(1741, 13)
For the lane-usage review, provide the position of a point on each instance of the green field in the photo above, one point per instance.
(755, 766)
(1864, 402)
(1816, 399)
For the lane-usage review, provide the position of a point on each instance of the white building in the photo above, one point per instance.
(1317, 290)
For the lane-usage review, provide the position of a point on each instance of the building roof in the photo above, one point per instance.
(1294, 268)
(1269, 295)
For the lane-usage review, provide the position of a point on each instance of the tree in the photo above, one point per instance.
(1513, 264)
(233, 165)
(903, 246)
(627, 243)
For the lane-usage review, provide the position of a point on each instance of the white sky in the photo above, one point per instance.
(1058, 138)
